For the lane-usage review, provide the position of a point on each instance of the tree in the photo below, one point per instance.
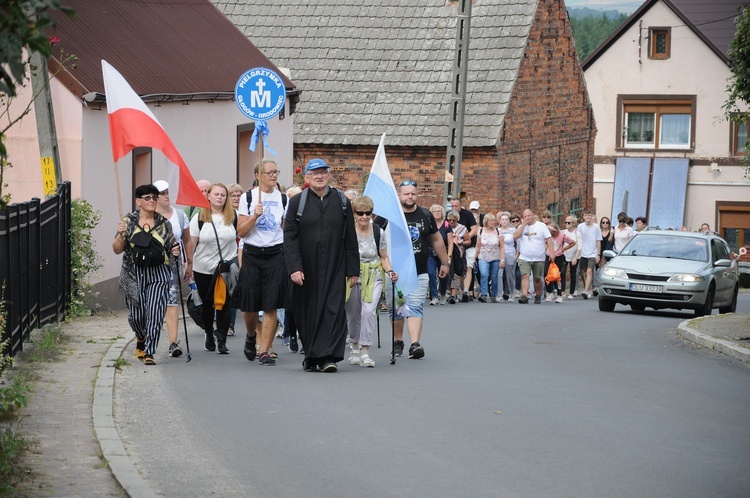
(22, 25)
(739, 82)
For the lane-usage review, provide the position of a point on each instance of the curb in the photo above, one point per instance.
(102, 413)
(708, 341)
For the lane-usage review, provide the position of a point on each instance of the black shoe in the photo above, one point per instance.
(465, 297)
(210, 344)
(310, 365)
(595, 293)
(175, 351)
(416, 351)
(221, 347)
(537, 299)
(330, 367)
(293, 344)
(398, 348)
(505, 297)
(249, 350)
(482, 299)
(267, 359)
(523, 300)
(452, 300)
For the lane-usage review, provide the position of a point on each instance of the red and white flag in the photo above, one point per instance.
(132, 124)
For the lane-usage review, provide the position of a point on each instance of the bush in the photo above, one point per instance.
(84, 260)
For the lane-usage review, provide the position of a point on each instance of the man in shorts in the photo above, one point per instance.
(534, 241)
(588, 251)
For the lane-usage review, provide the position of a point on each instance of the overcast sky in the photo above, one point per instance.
(626, 6)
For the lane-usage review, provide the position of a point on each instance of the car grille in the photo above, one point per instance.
(651, 278)
(685, 298)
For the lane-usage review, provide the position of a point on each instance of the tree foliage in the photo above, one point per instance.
(739, 54)
(589, 32)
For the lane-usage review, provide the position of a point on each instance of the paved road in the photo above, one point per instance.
(510, 400)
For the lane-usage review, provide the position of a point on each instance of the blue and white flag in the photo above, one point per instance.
(383, 193)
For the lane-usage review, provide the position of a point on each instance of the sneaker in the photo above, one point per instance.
(210, 344)
(443, 300)
(584, 295)
(309, 366)
(140, 349)
(366, 361)
(149, 360)
(354, 358)
(222, 348)
(250, 351)
(549, 298)
(330, 367)
(434, 301)
(559, 299)
(537, 299)
(285, 340)
(596, 293)
(452, 300)
(465, 297)
(570, 296)
(482, 299)
(416, 351)
(523, 300)
(506, 297)
(279, 330)
(267, 359)
(398, 347)
(174, 350)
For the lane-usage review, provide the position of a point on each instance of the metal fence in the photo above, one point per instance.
(35, 272)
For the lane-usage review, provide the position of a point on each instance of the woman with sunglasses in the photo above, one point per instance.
(571, 263)
(145, 283)
(374, 266)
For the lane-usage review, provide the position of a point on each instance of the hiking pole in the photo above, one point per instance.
(184, 319)
(377, 315)
(393, 323)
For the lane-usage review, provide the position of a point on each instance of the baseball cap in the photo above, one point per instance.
(161, 185)
(315, 164)
(474, 205)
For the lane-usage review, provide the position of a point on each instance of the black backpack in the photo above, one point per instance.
(342, 200)
(148, 248)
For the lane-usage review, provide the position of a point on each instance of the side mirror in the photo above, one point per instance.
(609, 254)
(723, 263)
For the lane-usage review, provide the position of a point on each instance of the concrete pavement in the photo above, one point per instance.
(78, 450)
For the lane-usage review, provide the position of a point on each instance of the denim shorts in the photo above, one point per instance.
(414, 301)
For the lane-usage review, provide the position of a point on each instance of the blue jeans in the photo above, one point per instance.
(433, 265)
(487, 269)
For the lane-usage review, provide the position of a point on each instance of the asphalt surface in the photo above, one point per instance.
(511, 400)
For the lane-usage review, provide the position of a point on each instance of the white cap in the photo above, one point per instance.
(161, 185)
(473, 205)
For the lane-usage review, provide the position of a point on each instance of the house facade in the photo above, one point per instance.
(386, 67)
(664, 149)
(187, 79)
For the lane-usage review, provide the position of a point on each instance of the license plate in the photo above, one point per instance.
(656, 289)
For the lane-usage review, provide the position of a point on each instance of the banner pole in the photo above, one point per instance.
(117, 185)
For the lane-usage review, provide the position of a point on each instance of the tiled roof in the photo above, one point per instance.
(160, 47)
(366, 67)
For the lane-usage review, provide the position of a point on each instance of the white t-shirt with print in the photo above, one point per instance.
(267, 230)
(532, 244)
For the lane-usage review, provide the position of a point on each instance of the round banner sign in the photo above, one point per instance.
(260, 94)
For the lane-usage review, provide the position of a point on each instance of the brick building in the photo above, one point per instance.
(368, 68)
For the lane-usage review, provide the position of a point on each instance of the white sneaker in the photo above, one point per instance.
(366, 361)
(434, 301)
(559, 299)
(570, 296)
(354, 358)
(279, 330)
(549, 298)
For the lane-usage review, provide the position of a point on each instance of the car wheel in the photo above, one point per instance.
(708, 305)
(732, 308)
(637, 307)
(606, 304)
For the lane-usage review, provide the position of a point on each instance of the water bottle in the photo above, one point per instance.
(194, 293)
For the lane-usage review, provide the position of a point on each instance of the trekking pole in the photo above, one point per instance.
(377, 315)
(184, 319)
(393, 323)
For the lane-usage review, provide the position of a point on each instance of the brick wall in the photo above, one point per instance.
(544, 154)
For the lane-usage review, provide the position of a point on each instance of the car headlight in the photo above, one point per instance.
(614, 272)
(685, 277)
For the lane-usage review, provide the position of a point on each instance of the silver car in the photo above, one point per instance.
(669, 269)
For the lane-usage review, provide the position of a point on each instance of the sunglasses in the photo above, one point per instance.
(605, 223)
(568, 222)
(408, 183)
(363, 213)
(545, 216)
(149, 198)
(515, 220)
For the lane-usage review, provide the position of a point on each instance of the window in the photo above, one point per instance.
(554, 209)
(660, 43)
(657, 123)
(739, 138)
(576, 208)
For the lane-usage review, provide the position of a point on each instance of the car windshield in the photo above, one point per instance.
(666, 246)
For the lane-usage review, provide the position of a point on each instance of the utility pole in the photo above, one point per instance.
(45, 124)
(458, 100)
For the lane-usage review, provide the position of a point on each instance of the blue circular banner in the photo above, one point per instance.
(260, 94)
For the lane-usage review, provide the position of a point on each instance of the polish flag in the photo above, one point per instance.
(132, 124)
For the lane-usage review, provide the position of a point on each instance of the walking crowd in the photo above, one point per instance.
(312, 265)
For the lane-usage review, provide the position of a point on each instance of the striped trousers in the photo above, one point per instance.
(146, 320)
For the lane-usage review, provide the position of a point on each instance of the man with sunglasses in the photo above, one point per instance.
(424, 233)
(263, 278)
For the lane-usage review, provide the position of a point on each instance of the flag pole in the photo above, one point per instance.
(117, 185)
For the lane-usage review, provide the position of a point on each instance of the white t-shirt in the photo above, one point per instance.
(570, 254)
(622, 237)
(532, 245)
(177, 217)
(510, 242)
(267, 231)
(207, 252)
(589, 236)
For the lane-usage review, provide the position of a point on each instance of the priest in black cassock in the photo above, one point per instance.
(321, 250)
